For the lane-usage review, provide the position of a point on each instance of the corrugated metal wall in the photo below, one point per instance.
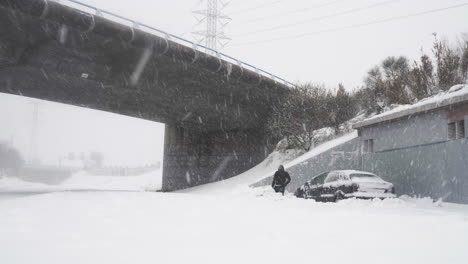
(437, 170)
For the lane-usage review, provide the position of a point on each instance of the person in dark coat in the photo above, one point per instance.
(280, 180)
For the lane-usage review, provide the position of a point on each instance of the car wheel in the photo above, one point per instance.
(338, 196)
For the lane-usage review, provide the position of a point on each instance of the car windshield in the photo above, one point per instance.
(318, 179)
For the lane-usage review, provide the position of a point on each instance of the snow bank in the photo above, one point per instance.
(8, 184)
(83, 181)
(267, 168)
(148, 181)
(323, 147)
(264, 169)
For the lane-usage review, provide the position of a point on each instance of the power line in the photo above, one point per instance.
(354, 10)
(242, 3)
(357, 25)
(300, 10)
(255, 7)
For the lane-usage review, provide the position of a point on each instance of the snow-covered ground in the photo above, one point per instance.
(249, 226)
(84, 181)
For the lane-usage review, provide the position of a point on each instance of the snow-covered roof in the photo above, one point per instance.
(456, 94)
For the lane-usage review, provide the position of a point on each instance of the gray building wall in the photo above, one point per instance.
(415, 154)
(438, 170)
(410, 131)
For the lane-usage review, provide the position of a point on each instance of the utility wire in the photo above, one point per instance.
(358, 25)
(354, 10)
(255, 7)
(242, 3)
(300, 10)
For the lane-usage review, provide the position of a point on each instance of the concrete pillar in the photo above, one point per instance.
(193, 157)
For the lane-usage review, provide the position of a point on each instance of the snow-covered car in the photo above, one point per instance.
(342, 184)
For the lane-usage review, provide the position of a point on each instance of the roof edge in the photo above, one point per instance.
(411, 111)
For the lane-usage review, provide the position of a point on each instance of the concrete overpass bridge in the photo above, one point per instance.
(214, 107)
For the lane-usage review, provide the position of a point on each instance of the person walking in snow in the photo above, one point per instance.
(280, 180)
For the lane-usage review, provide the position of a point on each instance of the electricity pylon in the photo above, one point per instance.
(33, 132)
(214, 21)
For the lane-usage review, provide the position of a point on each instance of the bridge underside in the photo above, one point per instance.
(214, 111)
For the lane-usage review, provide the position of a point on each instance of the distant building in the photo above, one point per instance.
(422, 148)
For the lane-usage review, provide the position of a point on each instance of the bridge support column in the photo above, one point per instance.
(192, 157)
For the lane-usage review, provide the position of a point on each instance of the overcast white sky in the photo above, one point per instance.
(329, 58)
(124, 141)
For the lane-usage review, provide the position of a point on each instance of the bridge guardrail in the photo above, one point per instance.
(168, 36)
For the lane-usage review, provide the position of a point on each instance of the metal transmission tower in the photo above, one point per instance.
(33, 159)
(214, 21)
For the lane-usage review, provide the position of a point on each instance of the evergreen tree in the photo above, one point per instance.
(396, 71)
(448, 63)
(342, 108)
(464, 62)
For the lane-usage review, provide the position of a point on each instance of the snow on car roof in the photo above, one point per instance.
(349, 172)
(456, 94)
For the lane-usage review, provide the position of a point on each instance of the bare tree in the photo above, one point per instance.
(10, 160)
(396, 81)
(298, 116)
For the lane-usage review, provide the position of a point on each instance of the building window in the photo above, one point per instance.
(461, 129)
(368, 146)
(456, 130)
(452, 128)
